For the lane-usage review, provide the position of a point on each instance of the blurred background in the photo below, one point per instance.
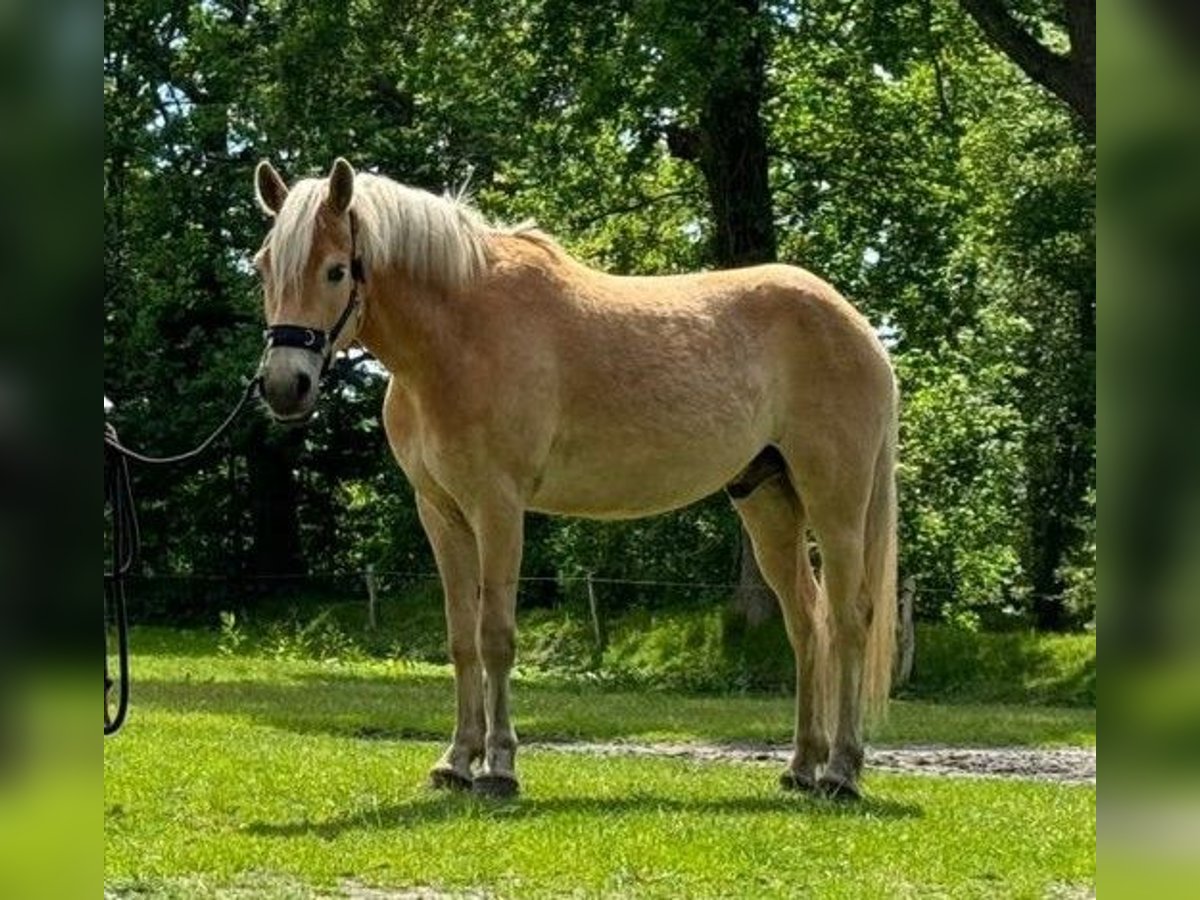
(935, 159)
(1151, 438)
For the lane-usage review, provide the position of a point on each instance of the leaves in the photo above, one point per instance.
(910, 165)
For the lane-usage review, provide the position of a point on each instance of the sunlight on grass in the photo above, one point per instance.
(400, 699)
(237, 798)
(292, 779)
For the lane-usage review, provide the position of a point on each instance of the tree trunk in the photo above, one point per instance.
(906, 635)
(274, 500)
(732, 153)
(753, 600)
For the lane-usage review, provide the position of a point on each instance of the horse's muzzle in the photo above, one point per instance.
(291, 378)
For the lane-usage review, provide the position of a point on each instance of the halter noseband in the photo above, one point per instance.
(315, 339)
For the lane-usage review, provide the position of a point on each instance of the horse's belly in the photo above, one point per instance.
(653, 441)
(634, 481)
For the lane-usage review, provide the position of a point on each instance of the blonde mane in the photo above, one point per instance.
(438, 241)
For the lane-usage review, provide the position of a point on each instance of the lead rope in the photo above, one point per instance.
(118, 495)
(111, 441)
(126, 541)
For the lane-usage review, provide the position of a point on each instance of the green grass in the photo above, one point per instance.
(245, 776)
(390, 699)
(692, 649)
(1017, 666)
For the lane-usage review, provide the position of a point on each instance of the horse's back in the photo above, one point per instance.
(786, 329)
(664, 387)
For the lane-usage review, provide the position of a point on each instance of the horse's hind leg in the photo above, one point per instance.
(838, 521)
(774, 518)
(454, 549)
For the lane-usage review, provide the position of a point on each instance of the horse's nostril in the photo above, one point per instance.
(303, 385)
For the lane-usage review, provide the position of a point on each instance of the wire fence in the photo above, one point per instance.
(187, 598)
(399, 612)
(171, 597)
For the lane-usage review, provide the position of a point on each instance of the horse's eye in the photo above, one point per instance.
(336, 273)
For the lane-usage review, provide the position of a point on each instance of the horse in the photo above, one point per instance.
(522, 379)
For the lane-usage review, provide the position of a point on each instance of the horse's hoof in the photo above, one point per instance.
(838, 788)
(497, 787)
(794, 781)
(444, 778)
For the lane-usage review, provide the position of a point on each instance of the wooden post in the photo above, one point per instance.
(371, 599)
(906, 638)
(597, 625)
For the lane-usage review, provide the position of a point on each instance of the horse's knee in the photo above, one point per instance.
(849, 622)
(497, 641)
(464, 651)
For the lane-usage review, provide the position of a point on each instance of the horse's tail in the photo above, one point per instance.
(880, 561)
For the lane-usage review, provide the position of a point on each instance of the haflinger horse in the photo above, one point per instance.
(523, 380)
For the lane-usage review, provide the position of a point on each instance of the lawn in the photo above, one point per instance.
(245, 775)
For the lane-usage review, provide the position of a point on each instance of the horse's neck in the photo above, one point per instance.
(417, 331)
(404, 328)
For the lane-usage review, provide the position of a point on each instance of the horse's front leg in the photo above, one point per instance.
(499, 530)
(454, 548)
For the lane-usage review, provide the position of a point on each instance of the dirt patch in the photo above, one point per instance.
(254, 885)
(1069, 765)
(353, 891)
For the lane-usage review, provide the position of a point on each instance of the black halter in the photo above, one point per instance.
(315, 339)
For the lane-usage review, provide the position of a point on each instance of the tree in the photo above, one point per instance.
(880, 145)
(729, 145)
(1070, 76)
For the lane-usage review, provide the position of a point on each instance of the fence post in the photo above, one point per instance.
(597, 624)
(906, 638)
(370, 579)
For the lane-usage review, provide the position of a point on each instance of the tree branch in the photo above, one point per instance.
(1038, 62)
(1071, 78)
(935, 57)
(642, 203)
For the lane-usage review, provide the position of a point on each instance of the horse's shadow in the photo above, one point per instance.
(433, 808)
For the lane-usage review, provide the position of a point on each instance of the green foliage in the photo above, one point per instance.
(708, 651)
(961, 484)
(677, 550)
(677, 650)
(233, 636)
(699, 649)
(954, 664)
(1078, 572)
(559, 644)
(321, 639)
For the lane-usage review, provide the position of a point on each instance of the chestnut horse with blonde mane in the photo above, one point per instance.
(523, 380)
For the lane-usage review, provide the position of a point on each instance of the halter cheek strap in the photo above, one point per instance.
(315, 339)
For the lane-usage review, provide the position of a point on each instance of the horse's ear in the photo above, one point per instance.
(269, 189)
(341, 186)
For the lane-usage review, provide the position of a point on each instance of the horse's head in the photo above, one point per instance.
(311, 276)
